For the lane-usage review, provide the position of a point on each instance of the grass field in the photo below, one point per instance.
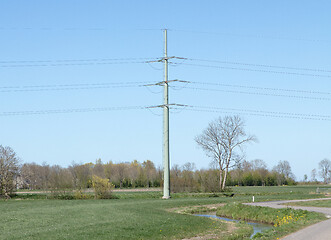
(100, 219)
(320, 203)
(134, 215)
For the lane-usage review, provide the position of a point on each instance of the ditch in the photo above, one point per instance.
(257, 227)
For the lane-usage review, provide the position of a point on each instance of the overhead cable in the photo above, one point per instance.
(260, 65)
(260, 113)
(74, 110)
(255, 70)
(78, 86)
(260, 88)
(259, 93)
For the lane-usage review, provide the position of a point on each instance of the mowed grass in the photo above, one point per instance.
(132, 216)
(319, 203)
(277, 190)
(98, 219)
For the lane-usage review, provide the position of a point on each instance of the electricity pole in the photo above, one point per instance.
(166, 106)
(166, 160)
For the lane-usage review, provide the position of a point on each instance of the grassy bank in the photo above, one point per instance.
(284, 220)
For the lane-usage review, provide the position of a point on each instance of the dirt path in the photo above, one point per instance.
(318, 231)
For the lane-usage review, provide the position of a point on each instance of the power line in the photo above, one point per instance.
(236, 35)
(74, 110)
(260, 36)
(255, 70)
(87, 86)
(256, 114)
(74, 29)
(261, 88)
(51, 29)
(68, 88)
(179, 107)
(260, 65)
(259, 93)
(253, 93)
(70, 64)
(78, 60)
(78, 86)
(260, 113)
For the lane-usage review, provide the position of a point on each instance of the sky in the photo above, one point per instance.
(81, 64)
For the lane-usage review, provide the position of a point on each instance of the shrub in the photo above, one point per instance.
(62, 196)
(102, 188)
(80, 195)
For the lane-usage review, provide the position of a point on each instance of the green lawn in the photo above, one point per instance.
(131, 216)
(276, 190)
(99, 219)
(319, 203)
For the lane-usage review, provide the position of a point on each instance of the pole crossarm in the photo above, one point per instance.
(168, 105)
(163, 82)
(166, 59)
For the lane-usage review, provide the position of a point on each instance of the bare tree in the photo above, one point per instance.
(133, 172)
(221, 139)
(176, 179)
(283, 168)
(258, 164)
(82, 175)
(150, 172)
(32, 176)
(60, 178)
(9, 170)
(120, 171)
(325, 168)
(98, 168)
(305, 178)
(313, 175)
(260, 167)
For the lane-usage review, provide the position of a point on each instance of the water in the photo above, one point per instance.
(257, 227)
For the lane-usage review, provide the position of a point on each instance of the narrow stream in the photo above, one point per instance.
(257, 227)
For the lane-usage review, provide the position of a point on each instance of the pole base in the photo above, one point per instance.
(166, 197)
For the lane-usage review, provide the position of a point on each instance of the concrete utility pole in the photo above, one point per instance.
(166, 106)
(166, 160)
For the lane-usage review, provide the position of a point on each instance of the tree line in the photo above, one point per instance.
(223, 141)
(185, 178)
(79, 176)
(144, 175)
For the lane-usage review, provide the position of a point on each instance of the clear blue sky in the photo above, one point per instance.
(291, 34)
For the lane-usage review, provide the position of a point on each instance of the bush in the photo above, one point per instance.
(62, 196)
(102, 188)
(80, 195)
